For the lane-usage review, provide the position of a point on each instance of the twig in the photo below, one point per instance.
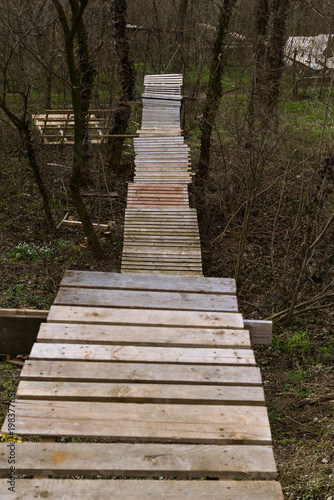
(60, 223)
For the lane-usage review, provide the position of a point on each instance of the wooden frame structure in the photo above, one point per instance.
(57, 126)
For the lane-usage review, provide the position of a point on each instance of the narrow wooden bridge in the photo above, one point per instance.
(151, 367)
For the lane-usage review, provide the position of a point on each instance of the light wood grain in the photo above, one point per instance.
(144, 317)
(141, 393)
(138, 335)
(67, 489)
(94, 279)
(147, 299)
(195, 424)
(78, 371)
(91, 352)
(124, 459)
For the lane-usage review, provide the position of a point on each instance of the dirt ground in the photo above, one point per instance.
(297, 368)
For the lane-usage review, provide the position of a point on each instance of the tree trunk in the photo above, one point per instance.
(179, 64)
(275, 61)
(87, 71)
(28, 142)
(23, 126)
(259, 57)
(79, 122)
(214, 90)
(126, 75)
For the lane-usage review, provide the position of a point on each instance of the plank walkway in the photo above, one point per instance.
(152, 367)
(161, 231)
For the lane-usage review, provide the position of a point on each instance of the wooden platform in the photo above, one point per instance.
(152, 368)
(158, 365)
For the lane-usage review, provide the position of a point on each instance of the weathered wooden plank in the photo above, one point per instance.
(261, 331)
(157, 266)
(144, 317)
(138, 459)
(152, 231)
(193, 253)
(179, 272)
(95, 279)
(157, 259)
(72, 371)
(141, 393)
(72, 296)
(66, 489)
(138, 335)
(18, 329)
(145, 354)
(196, 424)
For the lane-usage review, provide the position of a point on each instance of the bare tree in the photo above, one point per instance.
(214, 90)
(126, 75)
(16, 83)
(79, 101)
(274, 63)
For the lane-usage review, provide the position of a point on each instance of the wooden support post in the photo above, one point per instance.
(19, 329)
(260, 331)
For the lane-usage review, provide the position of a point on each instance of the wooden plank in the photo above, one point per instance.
(140, 393)
(99, 227)
(145, 354)
(179, 272)
(131, 422)
(157, 265)
(161, 269)
(76, 371)
(18, 329)
(186, 251)
(96, 279)
(144, 460)
(151, 230)
(261, 331)
(144, 317)
(157, 259)
(19, 313)
(66, 489)
(138, 335)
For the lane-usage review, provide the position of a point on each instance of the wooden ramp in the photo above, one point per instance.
(154, 371)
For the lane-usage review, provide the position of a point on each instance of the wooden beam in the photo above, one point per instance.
(261, 332)
(18, 329)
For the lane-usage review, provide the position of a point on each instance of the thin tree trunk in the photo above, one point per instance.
(87, 71)
(126, 75)
(261, 29)
(214, 90)
(23, 127)
(180, 38)
(158, 34)
(28, 142)
(79, 124)
(275, 61)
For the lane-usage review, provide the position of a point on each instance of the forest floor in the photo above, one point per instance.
(297, 368)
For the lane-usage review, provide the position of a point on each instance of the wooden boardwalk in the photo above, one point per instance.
(152, 367)
(161, 231)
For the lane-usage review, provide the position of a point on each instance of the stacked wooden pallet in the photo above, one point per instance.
(161, 232)
(162, 368)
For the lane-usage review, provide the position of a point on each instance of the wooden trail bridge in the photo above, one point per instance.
(151, 367)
